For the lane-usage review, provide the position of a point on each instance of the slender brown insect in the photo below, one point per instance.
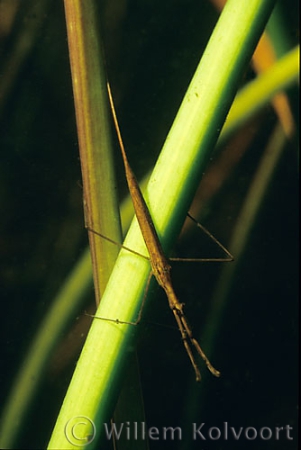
(159, 262)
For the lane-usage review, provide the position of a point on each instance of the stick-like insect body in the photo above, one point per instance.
(159, 262)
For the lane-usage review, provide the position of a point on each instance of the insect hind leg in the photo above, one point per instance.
(186, 334)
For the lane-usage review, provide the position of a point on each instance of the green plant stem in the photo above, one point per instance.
(257, 93)
(91, 106)
(95, 383)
